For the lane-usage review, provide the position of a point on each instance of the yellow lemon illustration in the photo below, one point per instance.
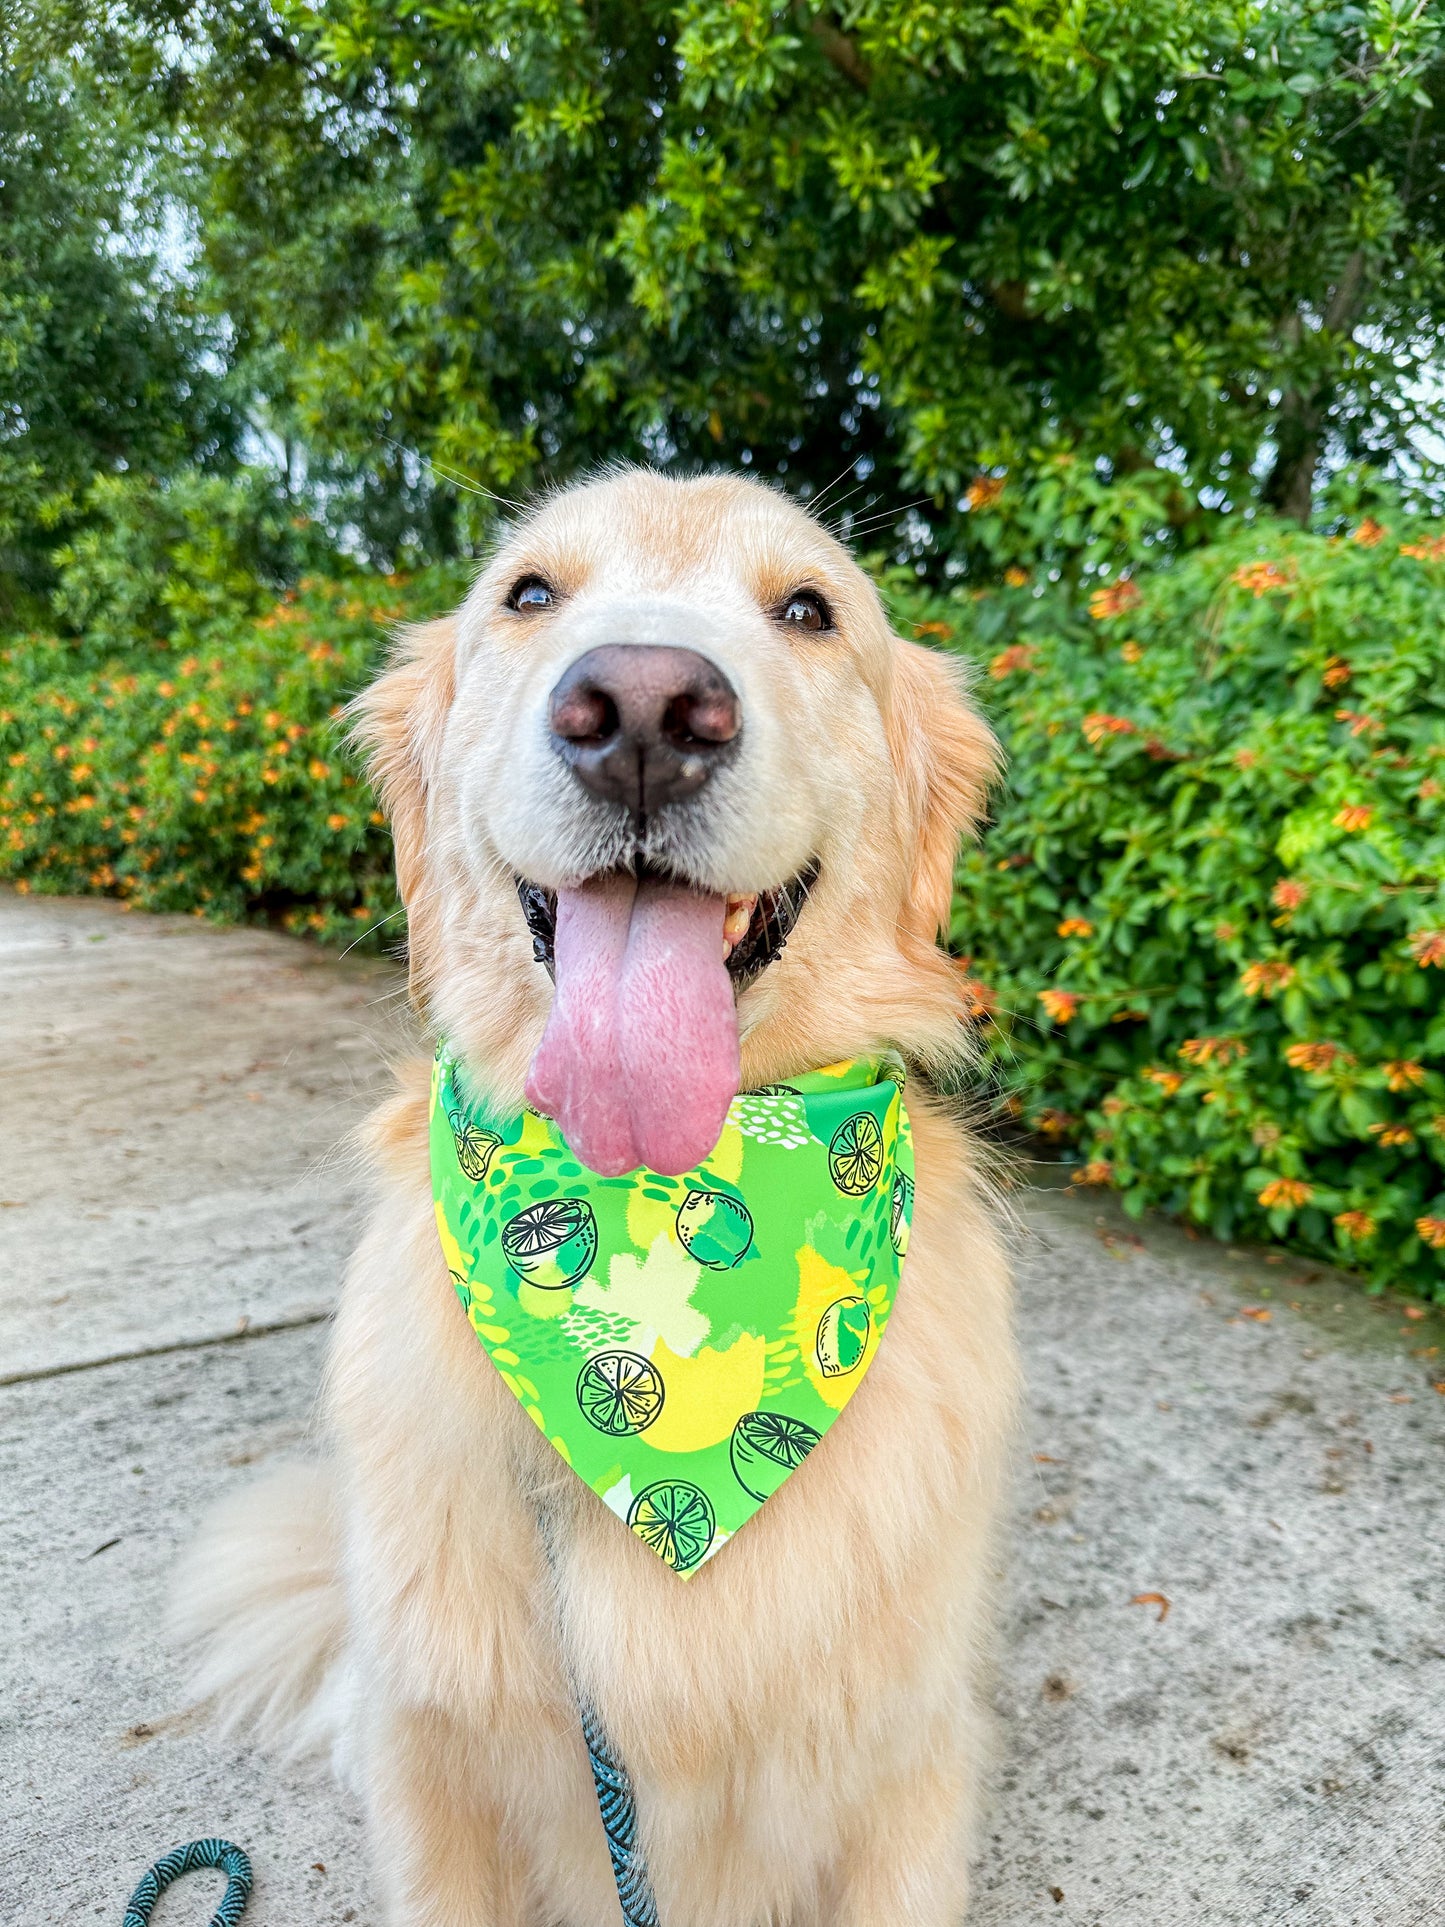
(706, 1394)
(822, 1288)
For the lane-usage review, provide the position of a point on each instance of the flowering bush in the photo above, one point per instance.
(203, 768)
(1204, 937)
(1206, 932)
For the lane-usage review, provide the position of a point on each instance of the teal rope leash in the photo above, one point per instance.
(614, 1800)
(232, 1861)
(619, 1822)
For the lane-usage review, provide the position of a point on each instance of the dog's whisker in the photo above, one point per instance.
(456, 477)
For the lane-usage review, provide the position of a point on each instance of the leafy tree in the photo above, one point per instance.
(102, 366)
(1191, 245)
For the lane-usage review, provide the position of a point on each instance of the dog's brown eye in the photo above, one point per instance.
(804, 610)
(531, 592)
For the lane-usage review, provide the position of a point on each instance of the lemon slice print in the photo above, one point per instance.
(551, 1244)
(621, 1393)
(855, 1157)
(842, 1337)
(474, 1146)
(715, 1229)
(766, 1447)
(676, 1520)
(902, 1212)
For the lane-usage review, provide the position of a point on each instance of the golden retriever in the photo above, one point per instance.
(804, 1720)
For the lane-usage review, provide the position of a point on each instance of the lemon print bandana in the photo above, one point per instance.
(684, 1343)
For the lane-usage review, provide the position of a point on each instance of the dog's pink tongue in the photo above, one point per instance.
(639, 1060)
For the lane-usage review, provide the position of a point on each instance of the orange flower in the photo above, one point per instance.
(336, 821)
(1392, 1134)
(1016, 577)
(1212, 1050)
(1132, 652)
(1432, 1231)
(1097, 1171)
(1113, 599)
(317, 770)
(1428, 947)
(1266, 979)
(1285, 1194)
(1337, 673)
(1054, 1123)
(1168, 1081)
(1022, 655)
(1359, 725)
(1076, 927)
(1261, 577)
(1245, 758)
(1357, 1225)
(984, 491)
(979, 1002)
(1425, 551)
(1316, 1057)
(1369, 534)
(1402, 1072)
(1429, 789)
(1060, 1005)
(1354, 816)
(1098, 724)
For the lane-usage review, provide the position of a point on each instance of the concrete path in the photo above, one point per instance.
(1241, 1435)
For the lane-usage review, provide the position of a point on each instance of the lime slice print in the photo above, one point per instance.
(766, 1447)
(551, 1244)
(474, 1146)
(714, 1228)
(842, 1337)
(855, 1157)
(902, 1216)
(621, 1393)
(676, 1520)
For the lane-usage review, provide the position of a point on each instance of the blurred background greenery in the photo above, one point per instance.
(1109, 334)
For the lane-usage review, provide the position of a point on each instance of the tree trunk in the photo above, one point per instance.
(1290, 488)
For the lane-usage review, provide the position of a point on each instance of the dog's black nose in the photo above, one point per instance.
(643, 724)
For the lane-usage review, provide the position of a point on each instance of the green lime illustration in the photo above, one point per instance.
(551, 1244)
(621, 1393)
(676, 1520)
(902, 1216)
(714, 1228)
(842, 1337)
(766, 1447)
(474, 1146)
(855, 1157)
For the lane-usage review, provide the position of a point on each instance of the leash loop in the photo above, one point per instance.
(233, 1862)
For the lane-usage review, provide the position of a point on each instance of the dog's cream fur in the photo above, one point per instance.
(803, 1719)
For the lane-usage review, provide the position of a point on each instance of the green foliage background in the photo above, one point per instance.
(1110, 333)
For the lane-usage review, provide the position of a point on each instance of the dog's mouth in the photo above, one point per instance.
(639, 1060)
(756, 924)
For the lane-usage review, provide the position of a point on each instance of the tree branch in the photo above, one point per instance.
(838, 50)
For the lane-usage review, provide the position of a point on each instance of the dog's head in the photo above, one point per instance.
(674, 810)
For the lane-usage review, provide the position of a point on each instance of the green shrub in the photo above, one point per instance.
(205, 770)
(1207, 928)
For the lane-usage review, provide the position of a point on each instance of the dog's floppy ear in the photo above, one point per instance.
(945, 757)
(397, 722)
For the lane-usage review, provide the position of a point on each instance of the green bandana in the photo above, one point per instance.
(685, 1342)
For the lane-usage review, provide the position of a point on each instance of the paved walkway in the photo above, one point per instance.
(1243, 1435)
